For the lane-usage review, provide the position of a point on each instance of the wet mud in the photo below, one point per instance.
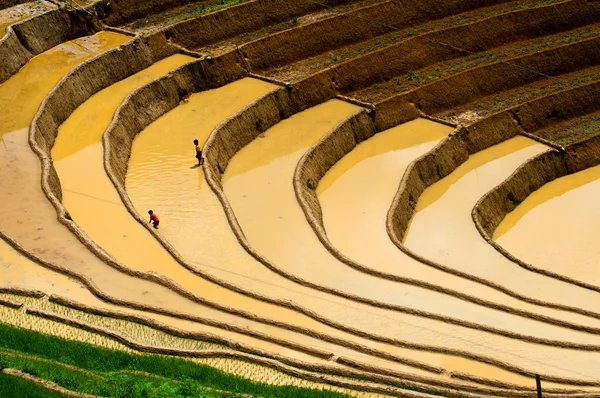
(554, 228)
(26, 214)
(483, 260)
(20, 12)
(352, 218)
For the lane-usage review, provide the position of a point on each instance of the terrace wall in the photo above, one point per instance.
(456, 90)
(239, 19)
(35, 35)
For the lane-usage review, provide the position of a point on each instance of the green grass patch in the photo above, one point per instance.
(103, 361)
(14, 387)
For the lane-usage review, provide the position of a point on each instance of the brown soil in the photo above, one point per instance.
(235, 20)
(9, 3)
(302, 69)
(231, 44)
(378, 92)
(171, 16)
(572, 131)
(523, 93)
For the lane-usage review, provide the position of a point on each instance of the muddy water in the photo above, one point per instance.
(79, 166)
(86, 187)
(443, 230)
(555, 227)
(355, 219)
(86, 125)
(20, 12)
(19, 272)
(161, 175)
(265, 205)
(28, 217)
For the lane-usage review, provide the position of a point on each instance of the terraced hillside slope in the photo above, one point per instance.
(380, 184)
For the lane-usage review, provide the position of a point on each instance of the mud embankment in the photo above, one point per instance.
(320, 158)
(239, 19)
(10, 3)
(490, 211)
(492, 208)
(415, 53)
(33, 36)
(531, 117)
(344, 29)
(75, 88)
(445, 94)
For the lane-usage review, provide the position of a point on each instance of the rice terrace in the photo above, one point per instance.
(300, 198)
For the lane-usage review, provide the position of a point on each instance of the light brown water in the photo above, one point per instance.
(443, 230)
(556, 227)
(355, 219)
(86, 187)
(25, 214)
(258, 184)
(162, 175)
(19, 272)
(159, 175)
(28, 217)
(12, 15)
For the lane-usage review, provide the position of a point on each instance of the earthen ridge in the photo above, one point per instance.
(277, 96)
(363, 372)
(23, 40)
(313, 166)
(105, 257)
(67, 223)
(456, 150)
(111, 262)
(539, 171)
(295, 368)
(423, 96)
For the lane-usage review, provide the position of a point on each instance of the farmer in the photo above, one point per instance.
(198, 153)
(153, 219)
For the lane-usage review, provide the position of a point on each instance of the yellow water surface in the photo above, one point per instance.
(556, 227)
(27, 216)
(95, 205)
(162, 174)
(258, 183)
(87, 187)
(86, 125)
(12, 15)
(22, 273)
(355, 219)
(442, 228)
(21, 95)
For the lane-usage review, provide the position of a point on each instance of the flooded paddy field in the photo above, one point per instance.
(322, 241)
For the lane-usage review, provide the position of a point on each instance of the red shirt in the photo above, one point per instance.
(154, 217)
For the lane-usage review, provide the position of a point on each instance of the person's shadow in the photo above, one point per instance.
(195, 166)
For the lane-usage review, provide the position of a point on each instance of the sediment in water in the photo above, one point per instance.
(33, 36)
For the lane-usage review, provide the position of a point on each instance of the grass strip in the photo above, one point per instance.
(101, 359)
(14, 387)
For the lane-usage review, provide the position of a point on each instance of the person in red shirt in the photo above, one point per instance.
(153, 219)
